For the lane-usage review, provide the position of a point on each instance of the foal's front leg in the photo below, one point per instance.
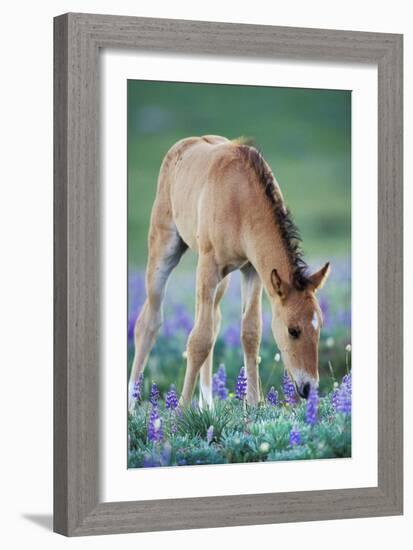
(205, 385)
(251, 330)
(201, 339)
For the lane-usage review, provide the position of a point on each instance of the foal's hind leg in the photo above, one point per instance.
(251, 329)
(165, 251)
(205, 386)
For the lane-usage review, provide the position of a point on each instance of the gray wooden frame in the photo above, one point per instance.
(78, 39)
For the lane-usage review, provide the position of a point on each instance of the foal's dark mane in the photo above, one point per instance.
(290, 233)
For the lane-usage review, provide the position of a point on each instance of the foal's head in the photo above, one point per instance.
(296, 324)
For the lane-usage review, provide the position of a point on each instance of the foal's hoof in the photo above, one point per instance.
(205, 404)
(131, 406)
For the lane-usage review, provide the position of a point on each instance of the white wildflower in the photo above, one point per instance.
(277, 357)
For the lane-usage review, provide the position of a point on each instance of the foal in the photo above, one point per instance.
(220, 198)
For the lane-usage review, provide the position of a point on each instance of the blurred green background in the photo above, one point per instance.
(305, 136)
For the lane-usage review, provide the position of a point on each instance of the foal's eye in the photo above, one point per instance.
(294, 332)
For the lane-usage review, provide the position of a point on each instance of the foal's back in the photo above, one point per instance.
(208, 188)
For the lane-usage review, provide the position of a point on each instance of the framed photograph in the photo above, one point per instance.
(228, 274)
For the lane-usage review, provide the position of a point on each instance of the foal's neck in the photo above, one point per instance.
(266, 251)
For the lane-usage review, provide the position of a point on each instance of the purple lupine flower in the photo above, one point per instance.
(222, 373)
(137, 388)
(219, 383)
(171, 401)
(210, 434)
(343, 401)
(334, 397)
(341, 398)
(311, 412)
(272, 397)
(174, 427)
(149, 462)
(347, 381)
(155, 428)
(154, 395)
(295, 436)
(290, 397)
(241, 385)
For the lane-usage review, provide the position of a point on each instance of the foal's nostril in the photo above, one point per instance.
(306, 390)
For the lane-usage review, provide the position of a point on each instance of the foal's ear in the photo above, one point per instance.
(319, 277)
(280, 287)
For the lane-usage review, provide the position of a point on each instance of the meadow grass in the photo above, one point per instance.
(233, 432)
